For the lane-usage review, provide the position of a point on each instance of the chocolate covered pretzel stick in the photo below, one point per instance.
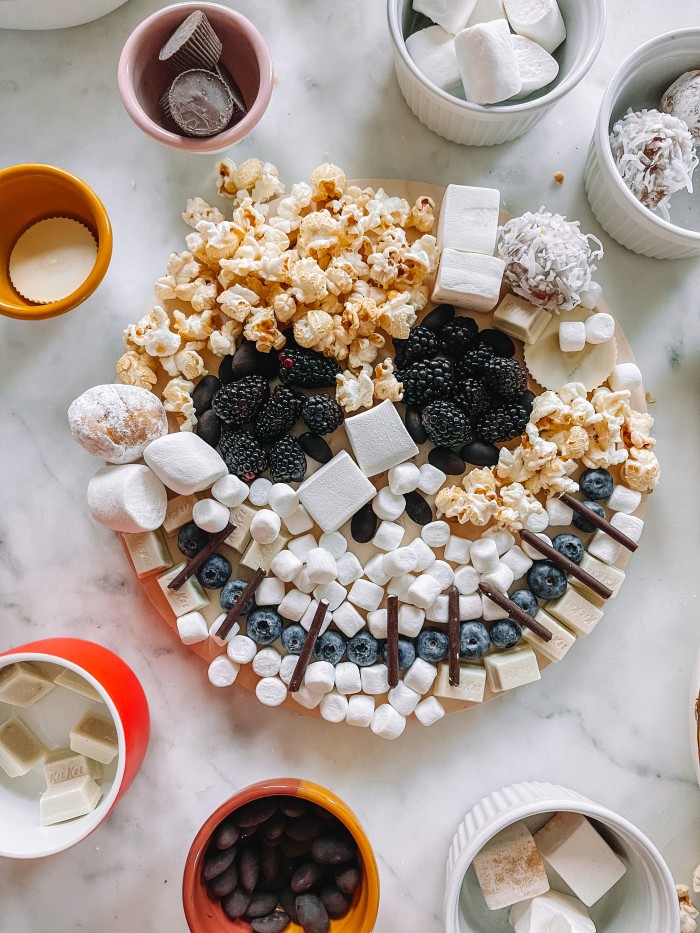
(568, 566)
(237, 608)
(196, 562)
(392, 639)
(453, 635)
(610, 530)
(309, 644)
(515, 612)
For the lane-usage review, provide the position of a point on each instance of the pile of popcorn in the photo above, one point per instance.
(344, 266)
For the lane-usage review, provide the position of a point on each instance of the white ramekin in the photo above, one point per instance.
(694, 712)
(474, 125)
(639, 83)
(60, 14)
(651, 905)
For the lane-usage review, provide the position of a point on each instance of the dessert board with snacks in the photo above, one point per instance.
(404, 554)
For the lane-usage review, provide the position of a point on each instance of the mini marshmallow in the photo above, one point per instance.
(501, 537)
(485, 11)
(623, 376)
(299, 521)
(435, 534)
(301, 546)
(270, 592)
(309, 699)
(184, 462)
(537, 521)
(265, 527)
(332, 592)
(591, 296)
(518, 561)
(490, 612)
(536, 66)
(285, 565)
(387, 723)
(360, 710)
(433, 51)
(222, 671)
(469, 219)
(487, 63)
(375, 679)
(572, 336)
(403, 699)
(402, 560)
(229, 491)
(469, 607)
(366, 595)
(321, 566)
(267, 661)
(334, 542)
(271, 691)
(466, 580)
(379, 440)
(308, 617)
(192, 627)
(349, 569)
(214, 631)
(532, 552)
(302, 582)
(429, 711)
(320, 676)
(559, 513)
(127, 497)
(348, 619)
(538, 20)
(411, 620)
(442, 572)
(452, 15)
(431, 479)
(241, 649)
(259, 491)
(457, 550)
(334, 707)
(624, 500)
(439, 611)
(604, 548)
(387, 506)
(399, 586)
(425, 556)
(374, 570)
(403, 478)
(420, 676)
(629, 525)
(600, 328)
(388, 536)
(377, 622)
(500, 579)
(424, 591)
(287, 667)
(484, 555)
(347, 678)
(283, 500)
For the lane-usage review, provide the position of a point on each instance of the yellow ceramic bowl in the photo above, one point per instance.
(29, 193)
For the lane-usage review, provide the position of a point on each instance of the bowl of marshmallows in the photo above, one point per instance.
(482, 72)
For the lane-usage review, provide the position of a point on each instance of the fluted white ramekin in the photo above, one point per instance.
(650, 902)
(474, 125)
(695, 718)
(639, 83)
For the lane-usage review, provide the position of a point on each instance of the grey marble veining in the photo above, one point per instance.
(610, 721)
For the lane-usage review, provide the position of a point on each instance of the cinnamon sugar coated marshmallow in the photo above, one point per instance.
(509, 868)
(117, 422)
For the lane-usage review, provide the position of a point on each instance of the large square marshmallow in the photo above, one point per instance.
(469, 219)
(487, 63)
(433, 52)
(541, 913)
(452, 15)
(509, 868)
(379, 440)
(468, 280)
(334, 493)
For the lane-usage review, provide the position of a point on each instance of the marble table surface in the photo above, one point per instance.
(611, 721)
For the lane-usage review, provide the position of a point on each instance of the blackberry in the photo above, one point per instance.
(459, 335)
(446, 424)
(279, 414)
(244, 456)
(307, 369)
(472, 397)
(421, 344)
(322, 414)
(287, 461)
(474, 362)
(239, 402)
(502, 422)
(505, 377)
(426, 381)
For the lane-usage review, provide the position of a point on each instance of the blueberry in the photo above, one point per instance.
(526, 600)
(215, 572)
(230, 593)
(505, 633)
(407, 653)
(432, 645)
(596, 484)
(264, 626)
(191, 539)
(546, 580)
(293, 638)
(473, 640)
(363, 649)
(330, 647)
(570, 546)
(581, 522)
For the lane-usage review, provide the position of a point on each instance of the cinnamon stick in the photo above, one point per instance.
(196, 562)
(237, 608)
(568, 566)
(392, 639)
(311, 639)
(515, 612)
(610, 530)
(453, 635)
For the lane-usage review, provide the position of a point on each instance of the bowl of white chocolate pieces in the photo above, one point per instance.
(482, 72)
(541, 858)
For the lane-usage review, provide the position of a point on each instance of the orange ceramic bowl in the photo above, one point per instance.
(206, 916)
(124, 701)
(29, 193)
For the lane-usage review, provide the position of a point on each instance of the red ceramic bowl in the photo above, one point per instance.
(206, 916)
(123, 699)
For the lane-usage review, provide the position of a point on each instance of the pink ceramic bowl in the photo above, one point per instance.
(143, 78)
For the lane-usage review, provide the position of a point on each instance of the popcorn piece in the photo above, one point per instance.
(469, 219)
(572, 336)
(197, 209)
(136, 369)
(177, 399)
(348, 619)
(375, 679)
(328, 182)
(429, 711)
(270, 592)
(312, 328)
(509, 868)
(476, 501)
(688, 913)
(600, 328)
(379, 439)
(349, 569)
(424, 591)
(388, 536)
(231, 178)
(403, 478)
(468, 280)
(241, 649)
(641, 471)
(387, 722)
(420, 676)
(319, 677)
(386, 385)
(152, 332)
(354, 391)
(210, 515)
(360, 710)
(403, 699)
(294, 605)
(366, 595)
(265, 526)
(624, 500)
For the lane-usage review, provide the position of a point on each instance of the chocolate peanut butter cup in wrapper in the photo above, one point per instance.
(194, 44)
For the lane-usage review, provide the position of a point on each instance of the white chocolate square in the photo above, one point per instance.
(241, 516)
(604, 548)
(334, 493)
(472, 683)
(562, 639)
(23, 684)
(148, 552)
(178, 513)
(469, 219)
(73, 681)
(68, 800)
(509, 868)
(468, 280)
(611, 577)
(96, 737)
(20, 749)
(63, 764)
(379, 440)
(576, 612)
(260, 555)
(520, 319)
(189, 597)
(512, 668)
(299, 521)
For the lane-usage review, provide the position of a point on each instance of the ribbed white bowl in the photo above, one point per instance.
(639, 83)
(473, 125)
(650, 903)
(53, 14)
(695, 718)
